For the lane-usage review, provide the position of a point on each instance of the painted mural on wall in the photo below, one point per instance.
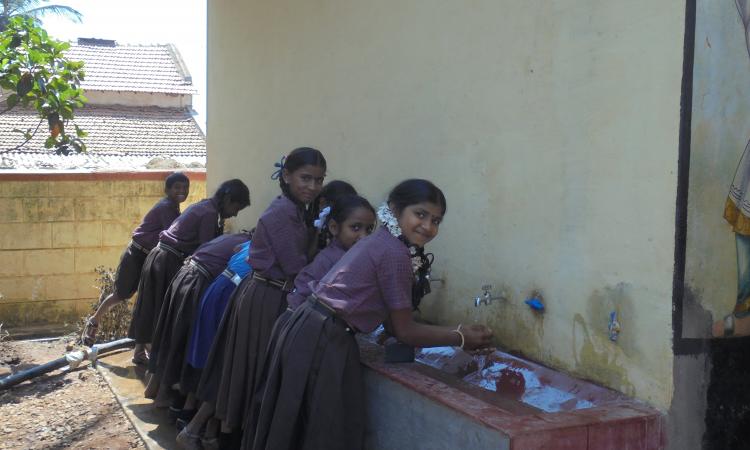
(717, 272)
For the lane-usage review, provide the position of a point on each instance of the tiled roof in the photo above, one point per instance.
(132, 68)
(119, 137)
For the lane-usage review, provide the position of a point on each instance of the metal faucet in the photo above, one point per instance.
(486, 296)
(434, 280)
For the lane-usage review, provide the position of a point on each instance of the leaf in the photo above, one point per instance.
(66, 112)
(26, 134)
(35, 72)
(42, 85)
(78, 144)
(12, 100)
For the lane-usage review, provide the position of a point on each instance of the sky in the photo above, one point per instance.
(179, 22)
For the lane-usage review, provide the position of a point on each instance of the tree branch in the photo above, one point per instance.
(2, 152)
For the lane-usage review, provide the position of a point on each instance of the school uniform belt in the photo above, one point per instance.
(138, 246)
(235, 278)
(172, 250)
(326, 309)
(200, 268)
(284, 285)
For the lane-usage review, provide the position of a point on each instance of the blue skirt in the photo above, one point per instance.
(207, 319)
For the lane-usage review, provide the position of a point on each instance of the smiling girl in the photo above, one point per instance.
(278, 253)
(314, 390)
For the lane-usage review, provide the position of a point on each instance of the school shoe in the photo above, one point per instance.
(188, 440)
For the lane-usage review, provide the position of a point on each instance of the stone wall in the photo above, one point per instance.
(55, 229)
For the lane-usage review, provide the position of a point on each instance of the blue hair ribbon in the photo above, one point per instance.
(279, 168)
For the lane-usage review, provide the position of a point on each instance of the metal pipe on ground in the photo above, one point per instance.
(72, 359)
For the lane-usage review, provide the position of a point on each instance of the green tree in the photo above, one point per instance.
(34, 9)
(35, 74)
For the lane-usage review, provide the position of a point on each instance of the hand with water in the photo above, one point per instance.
(476, 337)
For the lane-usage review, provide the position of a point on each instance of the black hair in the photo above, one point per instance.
(331, 191)
(299, 157)
(334, 189)
(407, 193)
(175, 177)
(413, 191)
(341, 208)
(234, 190)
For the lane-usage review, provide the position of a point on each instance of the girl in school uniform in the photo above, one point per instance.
(180, 302)
(208, 316)
(330, 192)
(316, 358)
(144, 239)
(352, 218)
(278, 253)
(200, 223)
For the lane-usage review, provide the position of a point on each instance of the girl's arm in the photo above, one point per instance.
(417, 334)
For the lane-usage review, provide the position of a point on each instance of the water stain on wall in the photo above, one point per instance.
(601, 303)
(517, 328)
(594, 356)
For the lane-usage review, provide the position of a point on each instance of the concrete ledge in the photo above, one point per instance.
(125, 379)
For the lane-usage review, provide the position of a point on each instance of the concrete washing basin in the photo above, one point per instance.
(451, 400)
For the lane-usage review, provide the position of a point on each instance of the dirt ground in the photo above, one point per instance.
(73, 409)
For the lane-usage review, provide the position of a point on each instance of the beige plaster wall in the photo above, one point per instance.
(552, 127)
(56, 229)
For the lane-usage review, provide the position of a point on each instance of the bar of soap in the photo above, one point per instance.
(398, 352)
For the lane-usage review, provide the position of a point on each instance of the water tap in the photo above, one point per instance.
(432, 279)
(486, 296)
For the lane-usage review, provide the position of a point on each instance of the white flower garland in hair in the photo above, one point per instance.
(386, 217)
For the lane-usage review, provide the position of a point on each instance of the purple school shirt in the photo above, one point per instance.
(279, 249)
(214, 255)
(313, 272)
(373, 278)
(197, 225)
(158, 219)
